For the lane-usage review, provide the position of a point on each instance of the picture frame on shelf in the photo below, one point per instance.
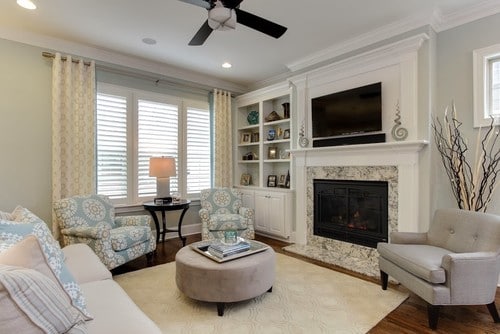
(286, 134)
(272, 152)
(246, 138)
(246, 179)
(271, 181)
(255, 137)
(282, 180)
(279, 133)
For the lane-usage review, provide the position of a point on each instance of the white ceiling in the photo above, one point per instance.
(315, 29)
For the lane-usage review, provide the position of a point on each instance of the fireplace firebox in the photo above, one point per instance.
(351, 211)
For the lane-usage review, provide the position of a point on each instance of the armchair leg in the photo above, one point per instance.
(149, 258)
(493, 311)
(220, 309)
(433, 315)
(383, 280)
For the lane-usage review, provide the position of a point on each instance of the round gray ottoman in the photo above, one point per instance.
(244, 278)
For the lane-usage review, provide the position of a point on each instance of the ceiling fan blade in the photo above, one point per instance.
(260, 24)
(200, 3)
(231, 3)
(201, 35)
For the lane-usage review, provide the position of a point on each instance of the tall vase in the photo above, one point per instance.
(286, 110)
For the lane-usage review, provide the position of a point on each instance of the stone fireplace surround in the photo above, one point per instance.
(393, 162)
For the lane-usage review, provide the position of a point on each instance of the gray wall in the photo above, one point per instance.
(25, 129)
(454, 83)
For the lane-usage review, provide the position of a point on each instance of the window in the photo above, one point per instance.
(486, 85)
(133, 126)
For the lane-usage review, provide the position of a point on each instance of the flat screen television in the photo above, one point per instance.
(347, 113)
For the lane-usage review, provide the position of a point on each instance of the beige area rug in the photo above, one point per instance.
(306, 298)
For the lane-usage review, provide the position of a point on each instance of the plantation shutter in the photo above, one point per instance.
(157, 136)
(495, 88)
(198, 150)
(112, 146)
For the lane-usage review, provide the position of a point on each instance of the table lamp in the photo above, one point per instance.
(162, 168)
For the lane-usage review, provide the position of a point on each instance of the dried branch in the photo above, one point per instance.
(472, 188)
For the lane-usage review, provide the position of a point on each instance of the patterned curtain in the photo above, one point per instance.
(73, 129)
(223, 161)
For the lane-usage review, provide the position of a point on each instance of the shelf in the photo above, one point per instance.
(281, 121)
(248, 161)
(276, 141)
(248, 144)
(249, 127)
(276, 160)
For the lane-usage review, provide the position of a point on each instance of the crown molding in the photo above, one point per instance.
(109, 58)
(370, 38)
(442, 22)
(437, 20)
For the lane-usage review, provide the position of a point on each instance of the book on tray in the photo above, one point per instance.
(221, 251)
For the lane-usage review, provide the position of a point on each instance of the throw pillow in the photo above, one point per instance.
(13, 232)
(6, 215)
(38, 299)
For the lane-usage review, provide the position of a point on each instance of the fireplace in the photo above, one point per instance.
(352, 211)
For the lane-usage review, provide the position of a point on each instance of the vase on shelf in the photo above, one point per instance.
(286, 109)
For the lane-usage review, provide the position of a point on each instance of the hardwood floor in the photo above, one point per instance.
(409, 317)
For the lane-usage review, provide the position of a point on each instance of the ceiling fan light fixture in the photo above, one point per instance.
(222, 18)
(28, 4)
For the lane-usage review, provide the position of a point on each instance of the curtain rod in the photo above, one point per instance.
(63, 58)
(203, 88)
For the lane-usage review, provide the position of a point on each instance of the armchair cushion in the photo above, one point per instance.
(128, 236)
(421, 260)
(227, 221)
(139, 220)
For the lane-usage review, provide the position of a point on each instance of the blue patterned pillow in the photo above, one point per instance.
(12, 232)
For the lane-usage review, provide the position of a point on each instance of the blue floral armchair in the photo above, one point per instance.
(221, 210)
(91, 220)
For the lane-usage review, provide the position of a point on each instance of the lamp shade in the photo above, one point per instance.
(162, 167)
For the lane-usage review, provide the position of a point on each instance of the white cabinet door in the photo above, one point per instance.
(261, 211)
(276, 213)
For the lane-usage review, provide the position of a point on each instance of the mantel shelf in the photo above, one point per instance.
(393, 147)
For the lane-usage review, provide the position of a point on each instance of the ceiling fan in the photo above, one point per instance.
(223, 15)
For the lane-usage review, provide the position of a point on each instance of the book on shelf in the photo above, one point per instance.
(222, 251)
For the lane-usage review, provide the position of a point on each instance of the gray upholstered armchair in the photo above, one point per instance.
(221, 210)
(457, 262)
(91, 220)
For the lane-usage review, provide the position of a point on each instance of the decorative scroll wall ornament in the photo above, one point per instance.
(472, 182)
(398, 132)
(303, 141)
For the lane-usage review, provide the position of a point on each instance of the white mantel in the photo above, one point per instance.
(404, 155)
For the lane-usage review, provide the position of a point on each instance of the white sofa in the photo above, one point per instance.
(46, 289)
(111, 307)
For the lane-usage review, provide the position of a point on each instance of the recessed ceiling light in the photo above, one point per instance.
(227, 65)
(149, 41)
(28, 4)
